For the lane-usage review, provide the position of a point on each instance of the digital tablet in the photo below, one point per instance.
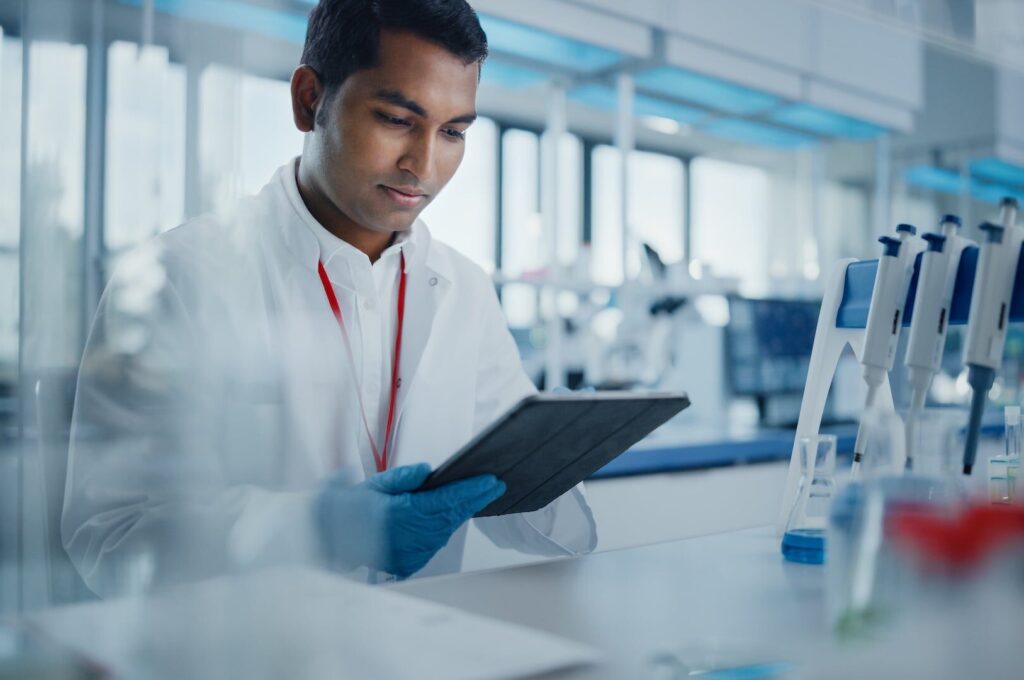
(548, 443)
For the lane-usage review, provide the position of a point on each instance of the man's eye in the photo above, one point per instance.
(392, 120)
(455, 134)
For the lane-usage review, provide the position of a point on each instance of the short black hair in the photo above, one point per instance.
(343, 36)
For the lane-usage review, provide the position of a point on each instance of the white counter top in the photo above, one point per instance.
(633, 604)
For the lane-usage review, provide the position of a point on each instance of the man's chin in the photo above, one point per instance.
(389, 223)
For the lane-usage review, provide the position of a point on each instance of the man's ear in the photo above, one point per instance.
(307, 96)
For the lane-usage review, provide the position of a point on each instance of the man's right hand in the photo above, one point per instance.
(384, 523)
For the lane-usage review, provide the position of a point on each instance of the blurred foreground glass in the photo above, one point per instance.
(863, 581)
(804, 540)
(959, 610)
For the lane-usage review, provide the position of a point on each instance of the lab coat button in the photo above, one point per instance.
(432, 281)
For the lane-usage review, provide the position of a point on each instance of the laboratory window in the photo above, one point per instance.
(52, 315)
(730, 222)
(525, 248)
(656, 186)
(522, 240)
(464, 215)
(10, 206)
(145, 145)
(246, 132)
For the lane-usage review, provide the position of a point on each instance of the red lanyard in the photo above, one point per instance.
(380, 456)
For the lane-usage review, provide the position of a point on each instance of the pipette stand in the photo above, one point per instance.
(830, 341)
(841, 323)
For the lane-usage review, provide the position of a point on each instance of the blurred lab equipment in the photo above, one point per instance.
(637, 335)
(804, 539)
(939, 264)
(989, 316)
(885, 315)
(846, 321)
(959, 607)
(1003, 470)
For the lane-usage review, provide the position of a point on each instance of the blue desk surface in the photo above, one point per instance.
(756, 447)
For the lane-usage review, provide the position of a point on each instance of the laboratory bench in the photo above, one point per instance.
(730, 591)
(631, 606)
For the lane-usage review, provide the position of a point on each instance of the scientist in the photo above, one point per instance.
(272, 385)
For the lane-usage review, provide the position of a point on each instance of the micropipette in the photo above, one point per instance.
(882, 332)
(935, 282)
(988, 318)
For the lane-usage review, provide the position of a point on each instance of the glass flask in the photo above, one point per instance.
(804, 539)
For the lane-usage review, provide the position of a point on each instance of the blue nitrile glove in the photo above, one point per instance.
(384, 523)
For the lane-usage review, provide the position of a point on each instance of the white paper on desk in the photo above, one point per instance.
(301, 623)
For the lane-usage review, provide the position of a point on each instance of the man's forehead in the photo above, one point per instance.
(407, 60)
(438, 93)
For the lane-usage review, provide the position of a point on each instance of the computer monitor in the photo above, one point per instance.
(768, 351)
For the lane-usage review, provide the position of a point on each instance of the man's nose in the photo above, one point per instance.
(418, 158)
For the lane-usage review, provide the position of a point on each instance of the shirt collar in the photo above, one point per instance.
(331, 246)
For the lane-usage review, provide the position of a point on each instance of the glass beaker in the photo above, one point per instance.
(804, 539)
(1003, 470)
(938, 445)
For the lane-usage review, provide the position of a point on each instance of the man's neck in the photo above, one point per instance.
(373, 243)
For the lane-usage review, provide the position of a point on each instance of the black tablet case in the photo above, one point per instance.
(549, 443)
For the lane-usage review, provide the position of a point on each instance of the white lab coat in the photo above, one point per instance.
(214, 398)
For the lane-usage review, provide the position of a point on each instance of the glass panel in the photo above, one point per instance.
(463, 214)
(42, 315)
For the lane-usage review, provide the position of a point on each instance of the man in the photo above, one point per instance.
(272, 386)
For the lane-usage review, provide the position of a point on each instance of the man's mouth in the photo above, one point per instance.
(404, 197)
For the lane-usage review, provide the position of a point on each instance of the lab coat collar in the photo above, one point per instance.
(305, 245)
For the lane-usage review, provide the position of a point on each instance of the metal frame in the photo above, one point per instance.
(93, 242)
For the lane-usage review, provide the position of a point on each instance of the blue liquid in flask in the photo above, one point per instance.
(806, 546)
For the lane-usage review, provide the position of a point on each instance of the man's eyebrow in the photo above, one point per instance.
(398, 99)
(464, 118)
